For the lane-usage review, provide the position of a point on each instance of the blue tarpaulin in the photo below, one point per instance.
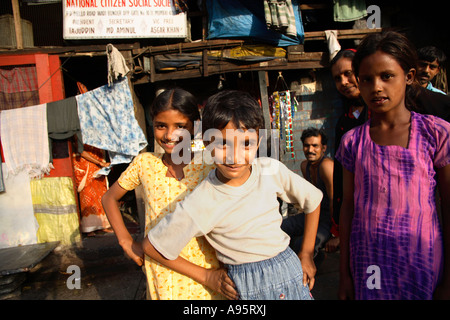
(246, 19)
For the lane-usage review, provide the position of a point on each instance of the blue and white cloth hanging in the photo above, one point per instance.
(107, 122)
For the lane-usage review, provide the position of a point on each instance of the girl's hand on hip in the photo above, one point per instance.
(219, 281)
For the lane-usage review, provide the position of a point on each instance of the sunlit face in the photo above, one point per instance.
(383, 82)
(233, 151)
(313, 148)
(426, 71)
(168, 128)
(345, 79)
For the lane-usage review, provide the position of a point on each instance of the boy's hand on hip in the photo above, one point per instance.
(309, 270)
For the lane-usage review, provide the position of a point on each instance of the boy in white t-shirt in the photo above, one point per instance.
(236, 209)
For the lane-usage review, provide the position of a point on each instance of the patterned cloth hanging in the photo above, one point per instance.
(279, 15)
(107, 122)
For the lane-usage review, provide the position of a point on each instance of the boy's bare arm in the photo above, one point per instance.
(306, 254)
(216, 279)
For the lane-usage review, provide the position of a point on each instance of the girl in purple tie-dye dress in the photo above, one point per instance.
(392, 241)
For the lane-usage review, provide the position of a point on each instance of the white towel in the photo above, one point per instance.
(25, 140)
(333, 43)
(117, 66)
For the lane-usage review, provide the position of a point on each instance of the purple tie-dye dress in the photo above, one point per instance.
(395, 225)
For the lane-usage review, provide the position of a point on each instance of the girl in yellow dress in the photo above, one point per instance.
(165, 184)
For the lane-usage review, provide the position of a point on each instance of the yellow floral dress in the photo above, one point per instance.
(162, 194)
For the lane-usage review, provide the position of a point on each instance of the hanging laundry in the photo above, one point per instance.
(81, 88)
(2, 184)
(117, 66)
(55, 209)
(63, 121)
(349, 10)
(107, 122)
(90, 190)
(25, 140)
(18, 226)
(18, 87)
(332, 41)
(280, 16)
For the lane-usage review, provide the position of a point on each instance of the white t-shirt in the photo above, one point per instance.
(241, 223)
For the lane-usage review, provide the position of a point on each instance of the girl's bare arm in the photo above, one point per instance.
(110, 202)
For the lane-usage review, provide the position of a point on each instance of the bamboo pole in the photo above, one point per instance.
(17, 24)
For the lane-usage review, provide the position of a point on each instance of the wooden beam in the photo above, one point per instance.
(56, 80)
(152, 69)
(342, 34)
(189, 47)
(17, 24)
(205, 62)
(309, 60)
(17, 59)
(313, 6)
(262, 77)
(67, 51)
(44, 78)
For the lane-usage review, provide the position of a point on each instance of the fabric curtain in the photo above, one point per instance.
(18, 87)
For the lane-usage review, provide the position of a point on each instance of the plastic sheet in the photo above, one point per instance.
(246, 19)
(55, 209)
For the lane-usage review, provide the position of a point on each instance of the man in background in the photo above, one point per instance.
(318, 170)
(430, 63)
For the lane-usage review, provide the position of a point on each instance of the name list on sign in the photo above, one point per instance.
(117, 3)
(93, 19)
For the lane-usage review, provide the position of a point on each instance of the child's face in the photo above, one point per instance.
(168, 128)
(382, 82)
(234, 153)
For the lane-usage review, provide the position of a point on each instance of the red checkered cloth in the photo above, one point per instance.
(18, 87)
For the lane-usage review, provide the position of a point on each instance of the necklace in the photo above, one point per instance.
(170, 171)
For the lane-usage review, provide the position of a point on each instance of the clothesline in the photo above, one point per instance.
(104, 117)
(48, 79)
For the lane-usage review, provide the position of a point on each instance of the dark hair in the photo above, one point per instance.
(314, 132)
(430, 54)
(398, 47)
(345, 53)
(232, 105)
(176, 99)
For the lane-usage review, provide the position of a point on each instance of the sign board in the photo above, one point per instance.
(122, 19)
